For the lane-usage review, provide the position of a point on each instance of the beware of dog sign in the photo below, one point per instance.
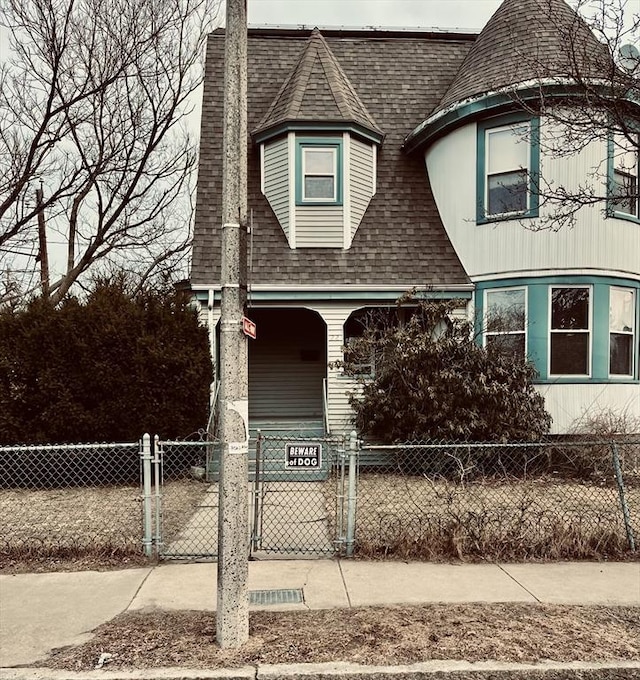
(303, 456)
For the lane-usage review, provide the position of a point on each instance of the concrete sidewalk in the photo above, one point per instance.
(40, 612)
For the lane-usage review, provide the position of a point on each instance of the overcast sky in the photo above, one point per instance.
(465, 14)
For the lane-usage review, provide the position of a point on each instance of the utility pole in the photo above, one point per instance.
(43, 255)
(233, 540)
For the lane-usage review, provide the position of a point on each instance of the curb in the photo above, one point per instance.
(430, 670)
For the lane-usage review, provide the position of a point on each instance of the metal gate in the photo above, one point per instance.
(298, 495)
(301, 496)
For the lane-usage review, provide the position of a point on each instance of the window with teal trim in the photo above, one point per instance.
(622, 324)
(624, 175)
(319, 172)
(570, 331)
(505, 321)
(508, 168)
(573, 329)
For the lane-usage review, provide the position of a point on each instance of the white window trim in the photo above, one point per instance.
(624, 376)
(291, 140)
(346, 191)
(589, 331)
(334, 174)
(487, 157)
(487, 333)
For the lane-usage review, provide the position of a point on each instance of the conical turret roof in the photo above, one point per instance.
(317, 91)
(524, 41)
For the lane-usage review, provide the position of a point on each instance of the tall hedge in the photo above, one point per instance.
(108, 368)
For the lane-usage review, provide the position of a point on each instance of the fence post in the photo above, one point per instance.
(157, 479)
(623, 498)
(340, 537)
(147, 522)
(352, 493)
(256, 532)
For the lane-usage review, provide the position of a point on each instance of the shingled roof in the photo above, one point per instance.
(401, 239)
(317, 90)
(524, 41)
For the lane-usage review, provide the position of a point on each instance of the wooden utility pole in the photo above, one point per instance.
(233, 540)
(43, 255)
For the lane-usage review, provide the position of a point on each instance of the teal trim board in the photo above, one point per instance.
(337, 127)
(490, 105)
(356, 296)
(600, 332)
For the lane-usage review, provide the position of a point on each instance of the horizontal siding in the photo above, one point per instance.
(287, 364)
(338, 386)
(569, 403)
(361, 181)
(594, 242)
(319, 226)
(276, 180)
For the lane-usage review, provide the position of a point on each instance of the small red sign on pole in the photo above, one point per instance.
(248, 327)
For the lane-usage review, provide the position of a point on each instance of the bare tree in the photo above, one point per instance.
(584, 80)
(94, 104)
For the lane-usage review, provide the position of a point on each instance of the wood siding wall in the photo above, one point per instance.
(569, 403)
(276, 180)
(361, 181)
(505, 248)
(319, 226)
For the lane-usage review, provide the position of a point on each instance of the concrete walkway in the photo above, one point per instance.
(40, 612)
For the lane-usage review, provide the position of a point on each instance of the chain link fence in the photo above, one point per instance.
(559, 499)
(186, 502)
(70, 502)
(298, 494)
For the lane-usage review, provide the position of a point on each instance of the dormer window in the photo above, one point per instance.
(319, 172)
(508, 165)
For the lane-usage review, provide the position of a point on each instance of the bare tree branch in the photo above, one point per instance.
(94, 104)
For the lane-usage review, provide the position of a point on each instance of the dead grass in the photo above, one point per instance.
(85, 527)
(415, 517)
(399, 516)
(371, 635)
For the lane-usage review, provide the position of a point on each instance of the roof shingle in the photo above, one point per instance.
(317, 90)
(524, 41)
(401, 239)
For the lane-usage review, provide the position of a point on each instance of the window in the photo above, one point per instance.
(622, 306)
(508, 158)
(570, 331)
(505, 321)
(319, 170)
(319, 174)
(625, 175)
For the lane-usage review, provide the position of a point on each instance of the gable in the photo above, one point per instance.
(401, 238)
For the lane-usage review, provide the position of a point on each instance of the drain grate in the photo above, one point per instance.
(284, 596)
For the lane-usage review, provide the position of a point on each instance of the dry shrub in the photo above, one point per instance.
(455, 540)
(604, 428)
(419, 518)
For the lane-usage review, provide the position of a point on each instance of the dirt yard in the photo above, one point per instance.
(372, 635)
(85, 527)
